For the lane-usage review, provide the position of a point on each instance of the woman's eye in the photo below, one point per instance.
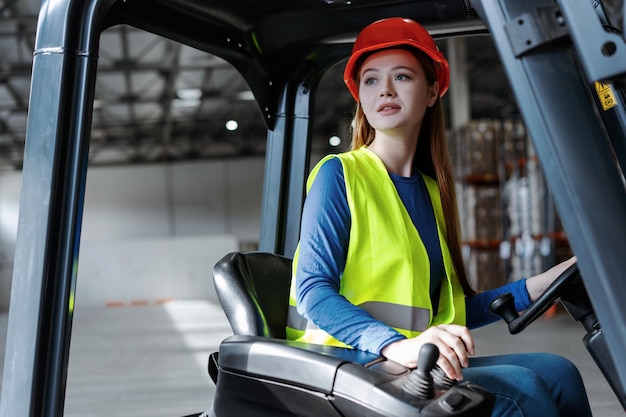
(402, 77)
(369, 81)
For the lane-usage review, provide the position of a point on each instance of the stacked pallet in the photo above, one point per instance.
(507, 219)
(475, 154)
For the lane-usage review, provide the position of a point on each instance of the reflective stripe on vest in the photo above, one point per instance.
(387, 270)
(398, 316)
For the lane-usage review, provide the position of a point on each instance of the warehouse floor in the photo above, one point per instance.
(151, 360)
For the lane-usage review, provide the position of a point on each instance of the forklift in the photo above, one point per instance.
(566, 64)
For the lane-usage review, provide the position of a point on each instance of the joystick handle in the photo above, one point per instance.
(504, 306)
(420, 382)
(427, 358)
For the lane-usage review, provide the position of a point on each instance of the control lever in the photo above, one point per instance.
(504, 306)
(442, 381)
(420, 382)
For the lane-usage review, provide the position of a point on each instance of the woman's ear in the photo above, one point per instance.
(433, 94)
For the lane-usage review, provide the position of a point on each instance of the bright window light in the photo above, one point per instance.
(189, 93)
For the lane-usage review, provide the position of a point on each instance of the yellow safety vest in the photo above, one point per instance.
(387, 271)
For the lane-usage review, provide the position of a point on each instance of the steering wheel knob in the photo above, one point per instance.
(504, 306)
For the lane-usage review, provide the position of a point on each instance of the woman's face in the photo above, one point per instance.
(394, 92)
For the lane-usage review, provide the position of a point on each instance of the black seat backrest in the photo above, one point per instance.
(253, 289)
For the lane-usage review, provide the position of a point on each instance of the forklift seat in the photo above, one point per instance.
(253, 289)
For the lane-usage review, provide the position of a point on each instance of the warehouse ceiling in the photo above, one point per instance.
(158, 100)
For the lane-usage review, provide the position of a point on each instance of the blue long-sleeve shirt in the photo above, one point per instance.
(324, 239)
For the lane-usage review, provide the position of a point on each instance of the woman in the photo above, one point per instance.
(379, 265)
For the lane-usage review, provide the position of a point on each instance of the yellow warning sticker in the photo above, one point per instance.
(606, 95)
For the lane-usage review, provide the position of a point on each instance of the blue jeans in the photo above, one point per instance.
(531, 385)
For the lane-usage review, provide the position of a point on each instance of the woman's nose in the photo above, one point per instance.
(386, 89)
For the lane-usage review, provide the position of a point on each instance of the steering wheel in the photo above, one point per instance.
(566, 287)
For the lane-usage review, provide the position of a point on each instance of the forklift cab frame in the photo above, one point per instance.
(552, 51)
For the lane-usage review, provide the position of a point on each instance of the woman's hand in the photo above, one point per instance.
(539, 283)
(455, 345)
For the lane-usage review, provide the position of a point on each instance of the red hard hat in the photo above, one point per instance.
(395, 31)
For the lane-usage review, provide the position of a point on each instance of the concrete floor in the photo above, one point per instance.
(152, 360)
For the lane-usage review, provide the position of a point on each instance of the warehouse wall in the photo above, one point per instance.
(151, 232)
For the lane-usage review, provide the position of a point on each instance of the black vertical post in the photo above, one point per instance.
(275, 178)
(289, 151)
(54, 176)
(301, 139)
(287, 165)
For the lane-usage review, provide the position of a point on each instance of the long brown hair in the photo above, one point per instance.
(431, 157)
